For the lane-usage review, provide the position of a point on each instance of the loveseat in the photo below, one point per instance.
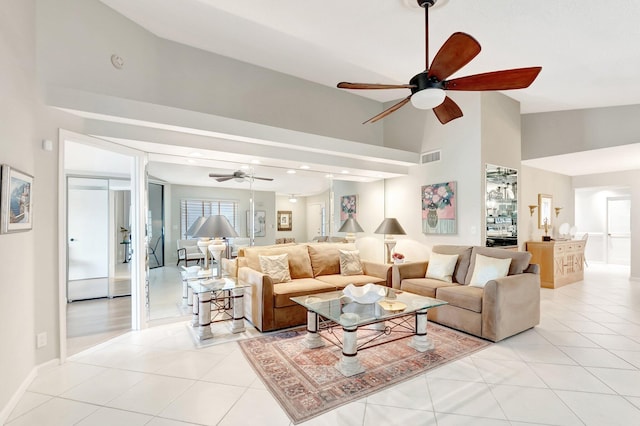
(498, 309)
(313, 267)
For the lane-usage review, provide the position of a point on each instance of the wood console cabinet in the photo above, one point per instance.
(561, 262)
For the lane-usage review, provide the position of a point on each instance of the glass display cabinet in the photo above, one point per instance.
(501, 206)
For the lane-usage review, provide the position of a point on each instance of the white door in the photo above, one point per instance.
(315, 220)
(619, 230)
(87, 239)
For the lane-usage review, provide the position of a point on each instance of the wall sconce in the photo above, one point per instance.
(532, 208)
(557, 210)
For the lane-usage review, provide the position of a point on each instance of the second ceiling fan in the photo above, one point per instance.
(428, 87)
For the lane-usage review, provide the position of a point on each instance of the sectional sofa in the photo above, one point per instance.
(498, 309)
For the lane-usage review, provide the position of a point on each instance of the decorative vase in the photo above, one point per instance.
(432, 218)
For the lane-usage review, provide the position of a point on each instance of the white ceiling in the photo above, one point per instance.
(585, 47)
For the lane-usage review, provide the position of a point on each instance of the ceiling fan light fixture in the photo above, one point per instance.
(293, 199)
(428, 98)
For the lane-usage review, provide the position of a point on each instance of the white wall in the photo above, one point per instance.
(298, 218)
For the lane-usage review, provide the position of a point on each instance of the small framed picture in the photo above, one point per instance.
(284, 220)
(16, 213)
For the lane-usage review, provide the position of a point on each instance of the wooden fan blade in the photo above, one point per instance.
(517, 78)
(455, 53)
(447, 111)
(388, 111)
(262, 178)
(224, 179)
(346, 85)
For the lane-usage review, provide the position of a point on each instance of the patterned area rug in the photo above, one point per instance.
(306, 383)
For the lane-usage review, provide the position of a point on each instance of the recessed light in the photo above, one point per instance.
(245, 167)
(195, 154)
(329, 176)
(191, 161)
(255, 161)
(345, 172)
(305, 167)
(291, 172)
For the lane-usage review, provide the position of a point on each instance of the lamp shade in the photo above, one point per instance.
(216, 226)
(390, 226)
(195, 226)
(351, 225)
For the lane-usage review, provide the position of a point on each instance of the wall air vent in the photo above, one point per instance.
(430, 157)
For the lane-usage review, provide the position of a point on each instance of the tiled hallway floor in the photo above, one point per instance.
(580, 366)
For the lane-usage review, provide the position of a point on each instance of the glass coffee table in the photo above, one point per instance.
(333, 309)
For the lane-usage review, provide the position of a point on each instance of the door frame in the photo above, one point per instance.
(607, 233)
(138, 179)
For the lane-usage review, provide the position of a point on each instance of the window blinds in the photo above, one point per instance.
(190, 210)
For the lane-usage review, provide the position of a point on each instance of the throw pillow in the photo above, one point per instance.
(441, 266)
(487, 269)
(277, 267)
(350, 263)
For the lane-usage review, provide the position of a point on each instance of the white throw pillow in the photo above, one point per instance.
(350, 263)
(441, 266)
(277, 267)
(487, 269)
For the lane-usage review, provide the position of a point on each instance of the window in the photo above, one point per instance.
(190, 210)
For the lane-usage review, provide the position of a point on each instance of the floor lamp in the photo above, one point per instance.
(390, 227)
(216, 227)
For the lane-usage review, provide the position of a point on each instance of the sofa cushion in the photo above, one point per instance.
(423, 286)
(276, 266)
(462, 296)
(341, 281)
(488, 268)
(350, 263)
(462, 265)
(283, 292)
(441, 266)
(299, 263)
(325, 257)
(519, 259)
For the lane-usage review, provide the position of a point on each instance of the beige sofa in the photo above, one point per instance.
(314, 268)
(504, 307)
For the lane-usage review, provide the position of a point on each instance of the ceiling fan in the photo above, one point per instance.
(428, 87)
(238, 175)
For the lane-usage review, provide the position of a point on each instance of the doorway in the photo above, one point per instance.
(90, 246)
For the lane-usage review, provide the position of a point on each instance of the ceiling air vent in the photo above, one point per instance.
(430, 157)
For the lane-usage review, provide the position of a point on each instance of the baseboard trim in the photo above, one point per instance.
(19, 393)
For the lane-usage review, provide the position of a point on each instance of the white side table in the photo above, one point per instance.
(226, 296)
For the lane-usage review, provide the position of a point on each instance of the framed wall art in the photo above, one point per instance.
(284, 220)
(16, 213)
(544, 210)
(259, 223)
(348, 207)
(439, 208)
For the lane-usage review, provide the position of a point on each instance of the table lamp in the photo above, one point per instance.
(216, 227)
(390, 227)
(351, 226)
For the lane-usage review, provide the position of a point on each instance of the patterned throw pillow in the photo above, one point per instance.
(277, 267)
(441, 266)
(350, 263)
(487, 269)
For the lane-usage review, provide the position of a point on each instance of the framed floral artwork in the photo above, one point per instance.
(348, 207)
(16, 212)
(439, 208)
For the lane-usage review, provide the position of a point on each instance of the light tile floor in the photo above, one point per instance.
(580, 366)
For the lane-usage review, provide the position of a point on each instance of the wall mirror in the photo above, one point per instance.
(544, 210)
(501, 206)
